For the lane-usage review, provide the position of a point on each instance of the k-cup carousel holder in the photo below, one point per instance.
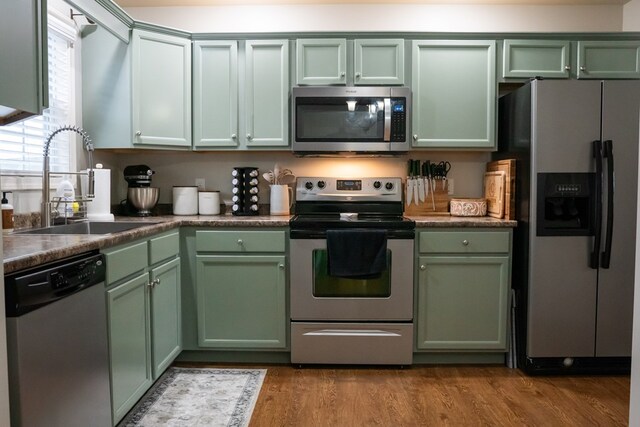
(245, 191)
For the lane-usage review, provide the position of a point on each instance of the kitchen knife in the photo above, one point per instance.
(421, 192)
(409, 183)
(416, 189)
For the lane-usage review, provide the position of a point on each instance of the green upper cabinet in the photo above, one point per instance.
(266, 94)
(161, 89)
(137, 94)
(345, 62)
(23, 64)
(454, 94)
(378, 62)
(321, 61)
(532, 58)
(215, 94)
(609, 59)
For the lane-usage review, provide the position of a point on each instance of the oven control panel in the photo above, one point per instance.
(349, 189)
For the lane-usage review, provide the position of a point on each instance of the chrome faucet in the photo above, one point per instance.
(45, 213)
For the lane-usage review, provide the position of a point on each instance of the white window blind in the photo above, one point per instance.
(21, 144)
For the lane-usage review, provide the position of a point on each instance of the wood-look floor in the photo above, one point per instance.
(437, 395)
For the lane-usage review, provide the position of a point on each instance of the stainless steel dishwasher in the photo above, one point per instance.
(57, 344)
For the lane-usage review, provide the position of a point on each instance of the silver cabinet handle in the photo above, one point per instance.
(240, 242)
(150, 284)
(567, 67)
(281, 266)
(157, 281)
(583, 68)
(423, 267)
(465, 242)
(415, 137)
(234, 136)
(138, 133)
(342, 74)
(249, 136)
(358, 75)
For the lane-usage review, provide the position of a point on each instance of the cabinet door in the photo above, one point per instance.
(129, 344)
(321, 61)
(241, 301)
(531, 58)
(454, 94)
(161, 89)
(379, 62)
(23, 42)
(215, 94)
(462, 303)
(165, 315)
(609, 60)
(267, 93)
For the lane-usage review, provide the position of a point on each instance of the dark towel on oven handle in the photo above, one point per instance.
(356, 253)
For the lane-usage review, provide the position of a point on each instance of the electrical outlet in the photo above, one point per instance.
(200, 183)
(450, 186)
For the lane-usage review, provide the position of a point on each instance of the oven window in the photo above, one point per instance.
(328, 286)
(340, 119)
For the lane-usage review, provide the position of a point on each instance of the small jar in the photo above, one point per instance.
(209, 202)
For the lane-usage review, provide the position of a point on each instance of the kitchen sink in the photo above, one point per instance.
(89, 227)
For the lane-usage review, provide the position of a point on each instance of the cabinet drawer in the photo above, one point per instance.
(124, 261)
(464, 241)
(240, 241)
(164, 247)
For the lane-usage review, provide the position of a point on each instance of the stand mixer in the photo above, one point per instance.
(141, 197)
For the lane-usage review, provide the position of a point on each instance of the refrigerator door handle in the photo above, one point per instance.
(608, 154)
(597, 206)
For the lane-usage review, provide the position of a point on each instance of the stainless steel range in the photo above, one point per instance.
(351, 273)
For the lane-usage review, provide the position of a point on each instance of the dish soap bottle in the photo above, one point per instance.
(7, 214)
(67, 195)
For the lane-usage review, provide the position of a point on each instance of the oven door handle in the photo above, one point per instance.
(387, 119)
(352, 333)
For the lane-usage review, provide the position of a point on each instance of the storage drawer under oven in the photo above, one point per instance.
(352, 343)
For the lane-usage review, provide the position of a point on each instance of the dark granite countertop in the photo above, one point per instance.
(24, 250)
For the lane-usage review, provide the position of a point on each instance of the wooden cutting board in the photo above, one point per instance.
(494, 193)
(509, 168)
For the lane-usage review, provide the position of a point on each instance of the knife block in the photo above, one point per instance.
(439, 205)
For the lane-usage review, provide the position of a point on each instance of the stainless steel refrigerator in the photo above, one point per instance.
(576, 145)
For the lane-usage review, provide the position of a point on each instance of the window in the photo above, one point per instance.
(21, 144)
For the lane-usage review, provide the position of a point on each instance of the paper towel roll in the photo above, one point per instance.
(99, 208)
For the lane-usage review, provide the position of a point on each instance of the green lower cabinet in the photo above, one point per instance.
(165, 315)
(462, 303)
(130, 346)
(241, 301)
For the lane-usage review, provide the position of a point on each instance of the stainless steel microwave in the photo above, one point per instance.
(333, 119)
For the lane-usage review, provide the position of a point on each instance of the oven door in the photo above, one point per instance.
(315, 295)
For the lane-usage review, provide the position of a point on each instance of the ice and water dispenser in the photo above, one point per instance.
(566, 204)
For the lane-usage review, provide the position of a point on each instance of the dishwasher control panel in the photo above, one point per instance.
(30, 289)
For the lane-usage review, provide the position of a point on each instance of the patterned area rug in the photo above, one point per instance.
(198, 397)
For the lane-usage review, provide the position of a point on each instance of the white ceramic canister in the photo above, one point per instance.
(185, 200)
(281, 199)
(209, 202)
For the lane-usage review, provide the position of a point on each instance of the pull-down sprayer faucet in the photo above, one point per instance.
(45, 218)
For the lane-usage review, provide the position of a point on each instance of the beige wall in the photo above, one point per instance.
(386, 17)
(631, 16)
(183, 168)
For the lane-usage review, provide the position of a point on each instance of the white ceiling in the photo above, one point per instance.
(160, 3)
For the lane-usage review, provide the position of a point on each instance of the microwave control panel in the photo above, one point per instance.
(398, 119)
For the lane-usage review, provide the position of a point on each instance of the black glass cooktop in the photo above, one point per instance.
(332, 221)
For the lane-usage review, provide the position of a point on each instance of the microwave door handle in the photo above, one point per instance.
(387, 119)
